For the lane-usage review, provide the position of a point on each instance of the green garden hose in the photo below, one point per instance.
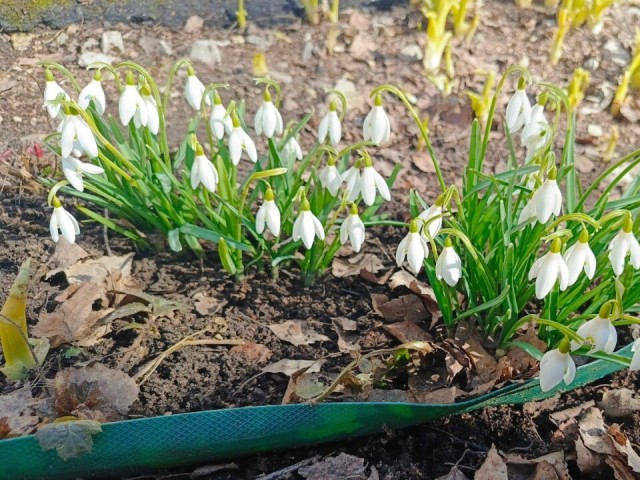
(150, 444)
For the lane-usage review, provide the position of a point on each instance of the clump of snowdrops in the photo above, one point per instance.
(533, 246)
(281, 205)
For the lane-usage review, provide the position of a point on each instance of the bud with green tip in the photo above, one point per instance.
(330, 125)
(376, 127)
(352, 229)
(63, 221)
(623, 244)
(549, 269)
(599, 332)
(52, 92)
(268, 118)
(580, 257)
(268, 214)
(449, 265)
(412, 247)
(93, 91)
(557, 365)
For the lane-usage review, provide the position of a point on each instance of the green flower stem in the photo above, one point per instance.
(64, 71)
(268, 82)
(113, 71)
(343, 102)
(172, 73)
(566, 331)
(54, 191)
(577, 217)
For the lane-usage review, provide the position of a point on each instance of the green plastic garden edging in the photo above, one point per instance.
(147, 444)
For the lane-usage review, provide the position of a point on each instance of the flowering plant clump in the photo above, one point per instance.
(532, 244)
(287, 207)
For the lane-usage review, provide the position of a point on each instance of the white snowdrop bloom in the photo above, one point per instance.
(194, 89)
(331, 179)
(291, 152)
(307, 226)
(370, 181)
(599, 332)
(93, 91)
(412, 247)
(623, 244)
(268, 214)
(352, 229)
(548, 269)
(75, 129)
(449, 265)
(351, 177)
(51, 92)
(635, 360)
(74, 169)
(544, 202)
(580, 257)
(151, 108)
(203, 171)
(376, 126)
(330, 125)
(131, 106)
(557, 365)
(432, 218)
(268, 119)
(518, 109)
(238, 141)
(536, 131)
(63, 221)
(219, 120)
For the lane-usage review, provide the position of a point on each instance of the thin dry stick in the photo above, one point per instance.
(144, 374)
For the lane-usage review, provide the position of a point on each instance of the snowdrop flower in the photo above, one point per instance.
(449, 265)
(412, 247)
(518, 109)
(623, 244)
(351, 177)
(131, 106)
(548, 269)
(545, 201)
(151, 107)
(536, 131)
(268, 118)
(63, 221)
(331, 179)
(370, 181)
(93, 91)
(73, 170)
(352, 229)
(74, 128)
(238, 141)
(307, 226)
(291, 152)
(376, 126)
(203, 171)
(432, 218)
(635, 360)
(599, 332)
(219, 120)
(194, 89)
(580, 257)
(268, 214)
(557, 365)
(330, 124)
(51, 92)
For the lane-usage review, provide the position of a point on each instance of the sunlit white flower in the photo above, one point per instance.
(238, 141)
(351, 177)
(635, 360)
(518, 109)
(557, 365)
(203, 171)
(432, 218)
(268, 214)
(412, 247)
(219, 120)
(330, 125)
(268, 118)
(536, 131)
(307, 226)
(544, 202)
(548, 269)
(291, 152)
(151, 107)
(580, 257)
(623, 244)
(73, 170)
(63, 221)
(93, 91)
(194, 89)
(376, 126)
(131, 106)
(74, 128)
(599, 332)
(352, 229)
(370, 181)
(51, 92)
(331, 179)
(449, 265)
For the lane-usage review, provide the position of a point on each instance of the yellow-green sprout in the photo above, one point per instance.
(578, 87)
(630, 79)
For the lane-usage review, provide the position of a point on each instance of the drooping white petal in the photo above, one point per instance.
(415, 253)
(432, 216)
(352, 183)
(518, 111)
(193, 91)
(153, 118)
(53, 227)
(261, 219)
(376, 126)
(368, 186)
(63, 221)
(220, 122)
(68, 135)
(85, 137)
(401, 252)
(323, 129)
(307, 229)
(382, 186)
(635, 360)
(330, 179)
(51, 92)
(554, 367)
(449, 266)
(235, 145)
(548, 200)
(335, 128)
(93, 91)
(130, 102)
(547, 270)
(249, 147)
(317, 227)
(273, 217)
(624, 243)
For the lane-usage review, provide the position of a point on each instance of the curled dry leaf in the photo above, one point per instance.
(347, 339)
(339, 468)
(289, 366)
(208, 304)
(552, 466)
(65, 255)
(407, 331)
(114, 271)
(17, 412)
(493, 467)
(346, 267)
(402, 278)
(297, 332)
(70, 438)
(253, 352)
(454, 474)
(619, 403)
(406, 307)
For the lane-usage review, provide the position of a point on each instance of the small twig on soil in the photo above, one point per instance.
(291, 468)
(467, 444)
(144, 374)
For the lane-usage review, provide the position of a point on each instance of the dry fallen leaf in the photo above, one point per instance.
(342, 267)
(339, 468)
(402, 278)
(208, 305)
(253, 352)
(347, 339)
(407, 331)
(114, 270)
(619, 402)
(65, 255)
(552, 466)
(454, 474)
(493, 467)
(297, 332)
(406, 307)
(289, 366)
(623, 446)
(17, 408)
